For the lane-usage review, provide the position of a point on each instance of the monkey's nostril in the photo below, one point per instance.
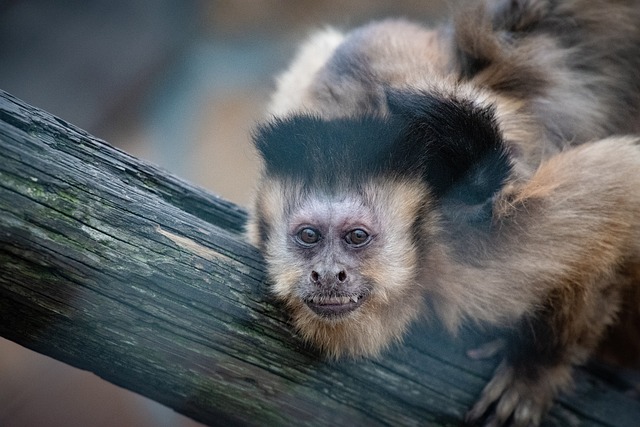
(315, 276)
(342, 276)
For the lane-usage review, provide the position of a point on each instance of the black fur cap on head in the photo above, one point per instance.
(453, 145)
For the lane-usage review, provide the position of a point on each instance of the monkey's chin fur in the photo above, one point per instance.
(362, 331)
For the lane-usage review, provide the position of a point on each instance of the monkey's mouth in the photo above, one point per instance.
(334, 306)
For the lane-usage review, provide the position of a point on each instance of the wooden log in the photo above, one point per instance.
(112, 265)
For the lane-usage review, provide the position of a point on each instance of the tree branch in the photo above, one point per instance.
(114, 266)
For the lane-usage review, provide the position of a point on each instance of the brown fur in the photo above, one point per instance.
(563, 258)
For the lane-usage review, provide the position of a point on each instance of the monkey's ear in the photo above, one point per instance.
(463, 156)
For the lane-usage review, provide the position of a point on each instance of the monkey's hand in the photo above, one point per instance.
(514, 398)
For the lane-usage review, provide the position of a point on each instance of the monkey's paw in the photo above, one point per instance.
(509, 400)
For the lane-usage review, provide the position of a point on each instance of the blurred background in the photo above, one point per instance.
(178, 83)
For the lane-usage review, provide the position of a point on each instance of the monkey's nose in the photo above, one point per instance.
(328, 278)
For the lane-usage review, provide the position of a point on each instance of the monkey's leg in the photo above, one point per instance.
(576, 229)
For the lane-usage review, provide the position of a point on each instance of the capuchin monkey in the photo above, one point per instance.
(477, 172)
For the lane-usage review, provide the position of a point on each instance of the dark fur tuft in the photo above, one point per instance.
(328, 154)
(453, 145)
(465, 156)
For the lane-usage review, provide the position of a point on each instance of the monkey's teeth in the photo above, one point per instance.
(334, 300)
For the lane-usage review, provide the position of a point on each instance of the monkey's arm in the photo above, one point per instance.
(569, 242)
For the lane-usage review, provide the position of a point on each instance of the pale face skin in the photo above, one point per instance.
(334, 236)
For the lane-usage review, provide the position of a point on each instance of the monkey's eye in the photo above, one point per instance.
(357, 237)
(308, 236)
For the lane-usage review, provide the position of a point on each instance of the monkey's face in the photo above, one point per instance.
(335, 238)
(350, 209)
(346, 264)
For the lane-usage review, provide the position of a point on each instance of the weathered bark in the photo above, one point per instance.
(114, 266)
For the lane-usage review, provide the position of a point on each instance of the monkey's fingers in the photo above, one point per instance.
(508, 400)
(490, 394)
(487, 350)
